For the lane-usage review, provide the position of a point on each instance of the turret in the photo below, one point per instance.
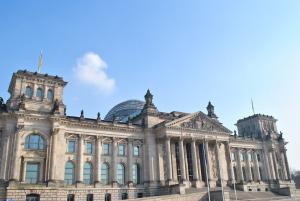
(211, 111)
(36, 92)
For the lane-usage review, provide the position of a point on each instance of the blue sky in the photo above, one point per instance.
(186, 52)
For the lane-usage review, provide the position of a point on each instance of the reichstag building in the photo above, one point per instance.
(135, 151)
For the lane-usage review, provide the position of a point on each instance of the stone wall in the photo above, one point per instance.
(188, 197)
(52, 194)
(2, 191)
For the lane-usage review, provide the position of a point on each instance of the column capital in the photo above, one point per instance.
(167, 137)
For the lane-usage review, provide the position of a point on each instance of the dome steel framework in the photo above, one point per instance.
(122, 111)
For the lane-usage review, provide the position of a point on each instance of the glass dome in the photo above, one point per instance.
(122, 111)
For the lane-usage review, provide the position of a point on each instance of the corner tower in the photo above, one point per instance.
(257, 126)
(36, 92)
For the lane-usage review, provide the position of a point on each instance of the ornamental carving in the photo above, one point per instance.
(200, 123)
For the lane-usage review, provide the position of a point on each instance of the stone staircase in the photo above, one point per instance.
(258, 196)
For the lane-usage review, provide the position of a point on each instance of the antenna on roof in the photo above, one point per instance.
(252, 106)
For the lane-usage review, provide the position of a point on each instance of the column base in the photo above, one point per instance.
(197, 184)
(55, 183)
(181, 189)
(97, 184)
(114, 184)
(170, 182)
(13, 182)
(212, 183)
(79, 184)
(130, 184)
(219, 183)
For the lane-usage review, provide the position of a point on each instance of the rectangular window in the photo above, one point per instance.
(121, 149)
(89, 197)
(71, 197)
(71, 146)
(89, 147)
(105, 149)
(32, 173)
(136, 150)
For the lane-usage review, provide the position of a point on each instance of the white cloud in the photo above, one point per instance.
(90, 70)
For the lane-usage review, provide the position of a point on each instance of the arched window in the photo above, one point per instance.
(121, 173)
(28, 92)
(50, 95)
(39, 93)
(87, 173)
(104, 173)
(69, 173)
(35, 142)
(136, 173)
(107, 197)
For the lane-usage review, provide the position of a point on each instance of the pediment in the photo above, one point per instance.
(198, 121)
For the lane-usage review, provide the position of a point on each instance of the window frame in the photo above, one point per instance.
(138, 148)
(89, 150)
(74, 146)
(26, 92)
(90, 174)
(106, 175)
(50, 99)
(104, 149)
(28, 179)
(123, 153)
(66, 181)
(31, 145)
(121, 174)
(39, 94)
(136, 173)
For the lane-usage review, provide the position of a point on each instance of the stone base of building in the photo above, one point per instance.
(53, 194)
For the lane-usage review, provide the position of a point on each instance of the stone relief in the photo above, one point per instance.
(200, 123)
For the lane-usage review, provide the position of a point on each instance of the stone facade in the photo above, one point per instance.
(48, 155)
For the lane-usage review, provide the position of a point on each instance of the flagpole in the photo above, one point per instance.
(233, 176)
(40, 62)
(204, 154)
(252, 106)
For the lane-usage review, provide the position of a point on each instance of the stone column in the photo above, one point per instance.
(239, 166)
(80, 159)
(287, 166)
(229, 163)
(285, 177)
(4, 163)
(98, 159)
(182, 161)
(267, 165)
(168, 160)
(249, 166)
(16, 158)
(195, 165)
(275, 165)
(207, 161)
(53, 158)
(114, 162)
(198, 155)
(130, 164)
(258, 176)
(219, 163)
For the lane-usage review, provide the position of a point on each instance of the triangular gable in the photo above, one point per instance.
(198, 121)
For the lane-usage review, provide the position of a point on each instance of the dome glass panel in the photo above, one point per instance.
(122, 111)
